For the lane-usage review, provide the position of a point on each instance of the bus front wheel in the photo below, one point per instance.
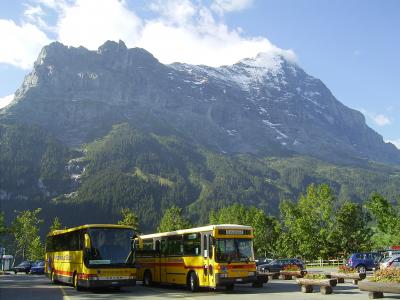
(193, 282)
(75, 282)
(52, 278)
(147, 281)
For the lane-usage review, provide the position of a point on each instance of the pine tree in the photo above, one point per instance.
(173, 220)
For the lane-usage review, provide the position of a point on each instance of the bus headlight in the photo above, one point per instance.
(252, 273)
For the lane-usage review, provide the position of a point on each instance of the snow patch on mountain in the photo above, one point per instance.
(248, 73)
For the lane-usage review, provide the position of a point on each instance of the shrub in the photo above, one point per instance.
(387, 275)
(315, 276)
(345, 269)
(291, 268)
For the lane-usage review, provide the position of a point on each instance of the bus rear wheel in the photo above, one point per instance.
(147, 281)
(193, 282)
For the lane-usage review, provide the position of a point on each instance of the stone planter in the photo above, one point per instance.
(376, 289)
(272, 275)
(356, 277)
(324, 284)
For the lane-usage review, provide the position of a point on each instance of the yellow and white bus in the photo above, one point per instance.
(209, 256)
(97, 255)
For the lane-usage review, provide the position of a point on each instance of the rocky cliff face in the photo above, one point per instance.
(262, 105)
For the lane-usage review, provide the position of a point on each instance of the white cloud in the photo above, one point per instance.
(394, 142)
(222, 6)
(187, 32)
(174, 12)
(90, 23)
(6, 100)
(34, 14)
(20, 44)
(55, 4)
(381, 120)
(378, 119)
(184, 31)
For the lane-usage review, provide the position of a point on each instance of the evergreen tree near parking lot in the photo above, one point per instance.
(3, 228)
(129, 218)
(387, 219)
(351, 230)
(25, 229)
(56, 224)
(309, 222)
(173, 220)
(318, 226)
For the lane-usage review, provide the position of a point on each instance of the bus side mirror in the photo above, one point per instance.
(212, 240)
(87, 241)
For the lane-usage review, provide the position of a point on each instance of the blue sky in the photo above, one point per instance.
(353, 46)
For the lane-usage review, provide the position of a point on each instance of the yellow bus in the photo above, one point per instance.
(97, 255)
(209, 256)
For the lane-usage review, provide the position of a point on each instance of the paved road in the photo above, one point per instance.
(26, 287)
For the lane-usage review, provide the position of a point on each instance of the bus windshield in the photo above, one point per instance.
(234, 250)
(110, 246)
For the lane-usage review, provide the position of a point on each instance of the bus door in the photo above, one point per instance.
(208, 259)
(157, 260)
(163, 260)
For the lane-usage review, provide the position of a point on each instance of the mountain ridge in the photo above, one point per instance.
(263, 105)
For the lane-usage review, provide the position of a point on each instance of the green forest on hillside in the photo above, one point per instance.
(149, 173)
(316, 226)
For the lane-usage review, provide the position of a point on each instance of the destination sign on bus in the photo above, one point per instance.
(234, 231)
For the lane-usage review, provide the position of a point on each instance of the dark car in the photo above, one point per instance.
(263, 260)
(25, 266)
(37, 268)
(279, 264)
(364, 261)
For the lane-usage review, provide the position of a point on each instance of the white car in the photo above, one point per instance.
(390, 261)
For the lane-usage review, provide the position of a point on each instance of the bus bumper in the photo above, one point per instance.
(106, 283)
(235, 280)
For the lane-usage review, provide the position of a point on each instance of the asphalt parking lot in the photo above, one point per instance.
(23, 286)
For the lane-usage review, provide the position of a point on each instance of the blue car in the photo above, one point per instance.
(25, 266)
(37, 268)
(364, 261)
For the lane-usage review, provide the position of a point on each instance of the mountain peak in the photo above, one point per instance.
(264, 102)
(263, 59)
(112, 46)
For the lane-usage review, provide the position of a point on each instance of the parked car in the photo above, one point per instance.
(390, 261)
(263, 260)
(37, 267)
(364, 261)
(25, 266)
(279, 264)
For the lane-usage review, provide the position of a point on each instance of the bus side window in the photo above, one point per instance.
(163, 246)
(49, 244)
(157, 246)
(148, 244)
(80, 237)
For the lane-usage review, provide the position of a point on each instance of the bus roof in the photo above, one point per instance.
(197, 229)
(61, 231)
